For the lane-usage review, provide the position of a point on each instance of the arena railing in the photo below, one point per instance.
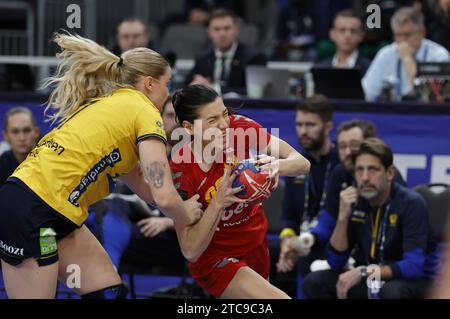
(18, 42)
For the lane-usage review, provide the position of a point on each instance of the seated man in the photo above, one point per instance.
(296, 30)
(223, 67)
(349, 136)
(131, 33)
(305, 196)
(139, 234)
(396, 64)
(347, 33)
(387, 224)
(21, 132)
(134, 33)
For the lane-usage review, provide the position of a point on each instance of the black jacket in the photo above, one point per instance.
(244, 55)
(361, 63)
(401, 229)
(8, 163)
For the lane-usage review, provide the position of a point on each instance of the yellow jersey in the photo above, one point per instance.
(75, 164)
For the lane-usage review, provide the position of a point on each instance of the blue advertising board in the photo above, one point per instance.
(420, 142)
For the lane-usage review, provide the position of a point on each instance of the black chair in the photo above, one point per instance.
(437, 197)
(273, 206)
(186, 288)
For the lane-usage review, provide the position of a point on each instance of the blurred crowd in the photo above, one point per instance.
(223, 37)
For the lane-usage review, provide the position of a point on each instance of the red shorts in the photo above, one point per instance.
(214, 273)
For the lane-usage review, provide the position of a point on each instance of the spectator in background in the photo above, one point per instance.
(295, 31)
(21, 132)
(304, 196)
(437, 16)
(350, 135)
(302, 24)
(387, 224)
(376, 38)
(134, 33)
(223, 67)
(396, 64)
(347, 33)
(131, 33)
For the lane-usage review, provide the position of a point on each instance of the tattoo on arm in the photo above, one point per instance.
(155, 172)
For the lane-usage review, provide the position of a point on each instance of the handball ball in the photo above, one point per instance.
(257, 188)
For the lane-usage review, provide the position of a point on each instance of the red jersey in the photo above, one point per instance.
(241, 228)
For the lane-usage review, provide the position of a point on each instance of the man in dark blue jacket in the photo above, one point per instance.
(386, 225)
(349, 136)
(304, 196)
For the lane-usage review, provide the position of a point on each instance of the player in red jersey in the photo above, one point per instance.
(227, 248)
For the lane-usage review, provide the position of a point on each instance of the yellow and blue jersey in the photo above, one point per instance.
(75, 164)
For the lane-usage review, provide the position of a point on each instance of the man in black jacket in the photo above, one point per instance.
(347, 33)
(305, 196)
(223, 67)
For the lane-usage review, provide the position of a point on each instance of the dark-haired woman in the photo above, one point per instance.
(227, 248)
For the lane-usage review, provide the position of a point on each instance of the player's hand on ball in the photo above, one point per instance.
(269, 165)
(225, 195)
(194, 209)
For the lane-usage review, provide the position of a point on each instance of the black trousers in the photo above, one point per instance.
(322, 285)
(304, 263)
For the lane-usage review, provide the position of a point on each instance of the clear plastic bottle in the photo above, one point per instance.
(374, 288)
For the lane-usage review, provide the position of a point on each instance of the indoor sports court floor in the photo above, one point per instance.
(145, 285)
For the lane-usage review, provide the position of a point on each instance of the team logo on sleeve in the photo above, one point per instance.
(159, 127)
(108, 161)
(393, 219)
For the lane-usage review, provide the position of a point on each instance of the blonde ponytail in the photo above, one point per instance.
(88, 70)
